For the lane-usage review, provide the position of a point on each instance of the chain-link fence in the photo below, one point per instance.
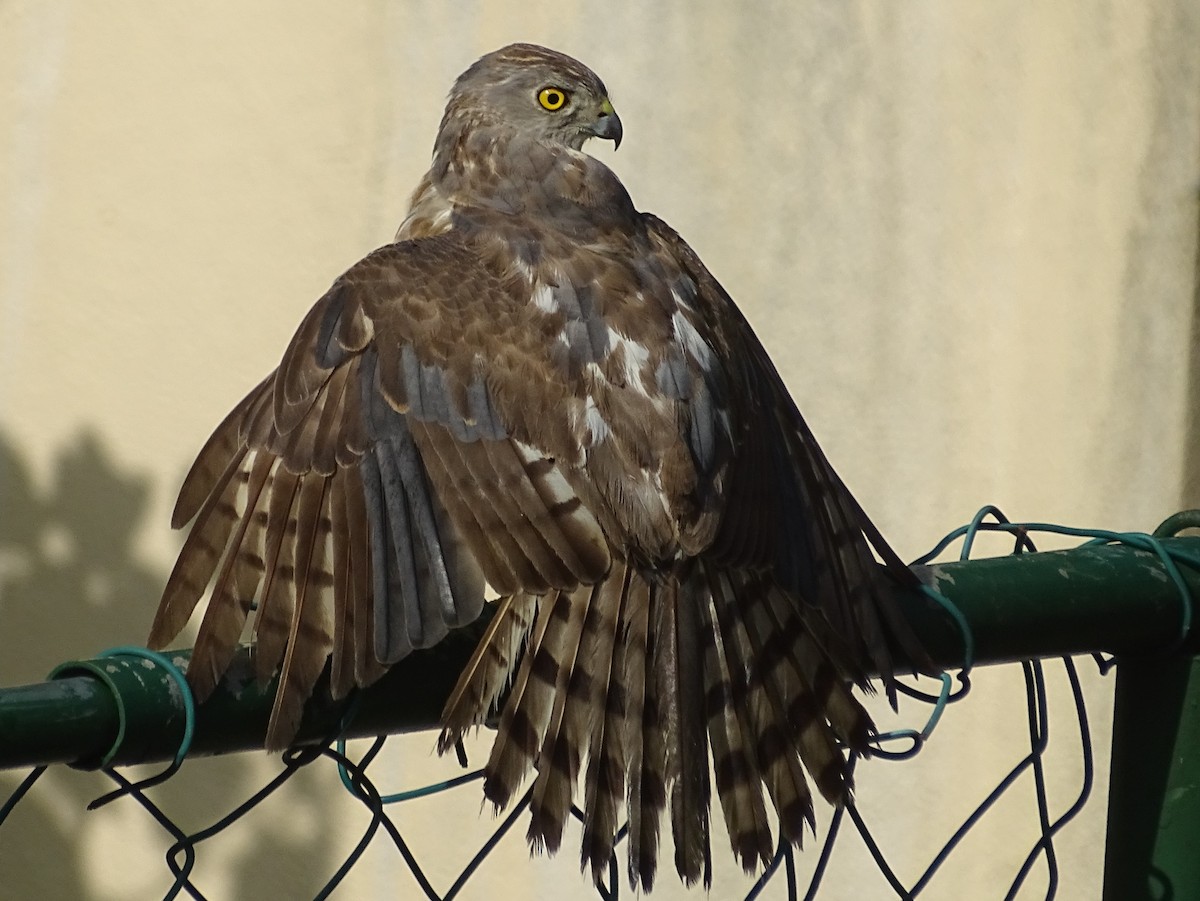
(1123, 594)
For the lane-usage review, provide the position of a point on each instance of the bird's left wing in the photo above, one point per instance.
(788, 512)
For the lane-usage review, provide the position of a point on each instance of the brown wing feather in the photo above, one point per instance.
(309, 636)
(277, 599)
(514, 539)
(341, 665)
(360, 625)
(211, 463)
(497, 554)
(201, 552)
(234, 590)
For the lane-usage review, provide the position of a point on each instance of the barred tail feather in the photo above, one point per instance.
(647, 764)
(680, 687)
(604, 782)
(561, 746)
(735, 764)
(815, 653)
(776, 756)
(489, 670)
(527, 710)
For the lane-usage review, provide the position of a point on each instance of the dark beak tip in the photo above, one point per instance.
(608, 127)
(615, 130)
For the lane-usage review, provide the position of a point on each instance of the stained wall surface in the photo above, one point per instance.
(967, 234)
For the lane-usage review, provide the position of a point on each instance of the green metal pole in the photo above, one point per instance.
(115, 711)
(125, 710)
(1093, 598)
(56, 722)
(1153, 845)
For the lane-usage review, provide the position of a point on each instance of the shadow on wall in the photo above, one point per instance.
(70, 581)
(72, 585)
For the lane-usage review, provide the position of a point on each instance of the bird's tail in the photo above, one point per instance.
(635, 682)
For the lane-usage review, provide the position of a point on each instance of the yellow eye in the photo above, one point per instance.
(552, 98)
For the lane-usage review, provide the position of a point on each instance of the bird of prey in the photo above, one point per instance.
(540, 389)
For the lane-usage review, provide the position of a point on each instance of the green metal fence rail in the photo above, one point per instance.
(1096, 598)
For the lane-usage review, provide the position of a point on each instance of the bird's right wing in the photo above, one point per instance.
(363, 493)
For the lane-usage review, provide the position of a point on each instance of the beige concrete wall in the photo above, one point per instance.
(967, 232)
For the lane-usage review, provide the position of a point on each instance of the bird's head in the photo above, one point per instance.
(538, 92)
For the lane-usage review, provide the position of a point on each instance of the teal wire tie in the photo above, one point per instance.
(189, 721)
(422, 792)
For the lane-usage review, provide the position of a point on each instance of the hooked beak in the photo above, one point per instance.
(608, 125)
